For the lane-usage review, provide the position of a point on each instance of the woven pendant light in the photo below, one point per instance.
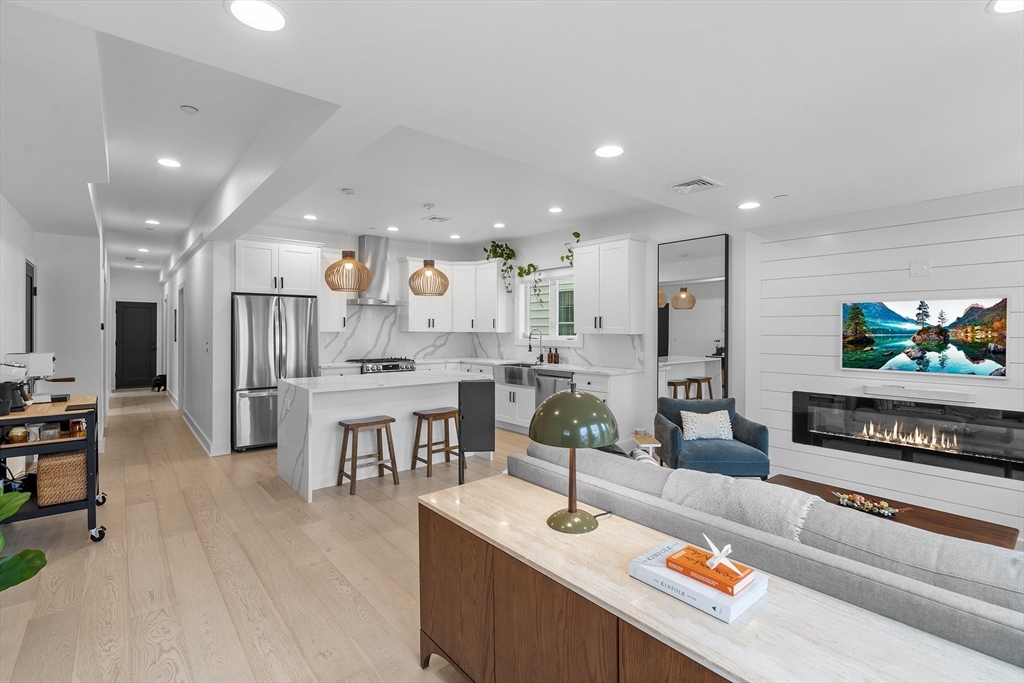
(428, 280)
(661, 299)
(683, 300)
(348, 274)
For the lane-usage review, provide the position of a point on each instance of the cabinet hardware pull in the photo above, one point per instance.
(471, 321)
(494, 322)
(344, 321)
(282, 282)
(275, 282)
(601, 318)
(595, 322)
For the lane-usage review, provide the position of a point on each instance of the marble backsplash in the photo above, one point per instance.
(373, 332)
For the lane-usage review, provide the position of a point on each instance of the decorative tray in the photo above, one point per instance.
(874, 507)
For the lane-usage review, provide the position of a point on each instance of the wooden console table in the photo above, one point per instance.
(505, 598)
(945, 523)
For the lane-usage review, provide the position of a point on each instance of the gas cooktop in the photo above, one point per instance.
(371, 365)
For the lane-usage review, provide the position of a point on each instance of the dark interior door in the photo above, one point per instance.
(135, 358)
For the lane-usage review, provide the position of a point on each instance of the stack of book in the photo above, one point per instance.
(681, 571)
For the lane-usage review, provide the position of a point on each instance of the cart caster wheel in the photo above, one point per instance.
(101, 499)
(98, 533)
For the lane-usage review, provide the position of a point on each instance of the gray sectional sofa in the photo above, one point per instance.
(966, 592)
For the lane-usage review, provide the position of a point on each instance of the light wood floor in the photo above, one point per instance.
(212, 569)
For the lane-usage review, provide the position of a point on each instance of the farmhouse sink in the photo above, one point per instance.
(521, 374)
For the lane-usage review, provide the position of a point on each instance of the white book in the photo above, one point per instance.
(650, 568)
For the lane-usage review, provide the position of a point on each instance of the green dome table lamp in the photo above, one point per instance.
(573, 419)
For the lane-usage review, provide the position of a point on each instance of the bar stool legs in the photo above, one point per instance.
(699, 382)
(381, 424)
(431, 416)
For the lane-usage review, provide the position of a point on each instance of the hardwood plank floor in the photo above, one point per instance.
(212, 569)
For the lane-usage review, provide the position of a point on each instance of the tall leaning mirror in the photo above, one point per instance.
(693, 318)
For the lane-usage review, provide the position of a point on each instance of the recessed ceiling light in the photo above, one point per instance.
(309, 217)
(170, 163)
(748, 205)
(257, 14)
(153, 222)
(608, 151)
(144, 251)
(138, 266)
(499, 225)
(555, 209)
(1004, 6)
(393, 229)
(455, 237)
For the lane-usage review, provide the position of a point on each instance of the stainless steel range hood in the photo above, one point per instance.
(374, 252)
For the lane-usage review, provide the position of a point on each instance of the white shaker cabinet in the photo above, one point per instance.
(299, 269)
(423, 313)
(463, 288)
(494, 306)
(333, 306)
(264, 267)
(256, 265)
(609, 280)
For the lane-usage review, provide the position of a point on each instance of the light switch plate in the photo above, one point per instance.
(921, 268)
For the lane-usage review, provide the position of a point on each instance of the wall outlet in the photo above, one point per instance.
(921, 268)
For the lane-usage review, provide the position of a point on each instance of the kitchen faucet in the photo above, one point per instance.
(529, 345)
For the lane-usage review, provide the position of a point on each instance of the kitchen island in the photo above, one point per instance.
(682, 367)
(308, 435)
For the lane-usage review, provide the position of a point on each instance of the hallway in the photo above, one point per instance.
(213, 569)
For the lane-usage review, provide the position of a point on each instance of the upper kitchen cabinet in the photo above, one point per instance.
(333, 305)
(609, 276)
(494, 306)
(463, 289)
(479, 300)
(423, 313)
(277, 268)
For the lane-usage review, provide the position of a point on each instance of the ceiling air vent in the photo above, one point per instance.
(129, 258)
(436, 219)
(695, 185)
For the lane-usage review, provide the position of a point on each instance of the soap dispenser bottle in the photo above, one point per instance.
(557, 357)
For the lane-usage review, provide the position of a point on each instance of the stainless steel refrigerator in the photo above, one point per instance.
(272, 337)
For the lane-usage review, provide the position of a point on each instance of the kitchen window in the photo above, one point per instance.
(547, 305)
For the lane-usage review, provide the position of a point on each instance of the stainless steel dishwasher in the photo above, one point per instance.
(549, 382)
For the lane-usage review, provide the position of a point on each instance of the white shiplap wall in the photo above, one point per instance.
(800, 274)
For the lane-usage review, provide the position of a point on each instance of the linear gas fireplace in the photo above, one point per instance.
(982, 440)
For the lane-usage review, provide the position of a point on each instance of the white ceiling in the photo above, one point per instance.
(51, 121)
(143, 89)
(395, 176)
(844, 106)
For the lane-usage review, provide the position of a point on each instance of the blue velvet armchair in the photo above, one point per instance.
(745, 455)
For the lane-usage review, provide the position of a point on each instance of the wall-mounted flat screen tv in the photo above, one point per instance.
(949, 336)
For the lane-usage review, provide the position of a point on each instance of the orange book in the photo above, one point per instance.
(691, 561)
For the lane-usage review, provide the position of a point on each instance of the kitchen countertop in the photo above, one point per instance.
(591, 369)
(665, 361)
(381, 380)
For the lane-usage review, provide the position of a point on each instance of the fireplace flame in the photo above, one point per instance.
(937, 441)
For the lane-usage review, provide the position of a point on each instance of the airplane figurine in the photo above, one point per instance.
(719, 556)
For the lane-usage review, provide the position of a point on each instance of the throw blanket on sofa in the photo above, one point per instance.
(776, 510)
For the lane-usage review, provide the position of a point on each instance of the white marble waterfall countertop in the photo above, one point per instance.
(592, 369)
(666, 361)
(381, 380)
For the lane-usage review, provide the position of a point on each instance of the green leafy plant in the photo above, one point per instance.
(528, 270)
(506, 255)
(15, 569)
(567, 258)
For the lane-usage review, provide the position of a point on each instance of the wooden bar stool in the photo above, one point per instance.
(699, 382)
(430, 417)
(674, 384)
(379, 424)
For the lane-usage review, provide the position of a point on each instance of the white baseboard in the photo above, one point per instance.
(197, 432)
(220, 448)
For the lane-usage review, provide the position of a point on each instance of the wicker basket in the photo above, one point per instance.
(61, 478)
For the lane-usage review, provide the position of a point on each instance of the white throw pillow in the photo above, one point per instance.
(714, 425)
